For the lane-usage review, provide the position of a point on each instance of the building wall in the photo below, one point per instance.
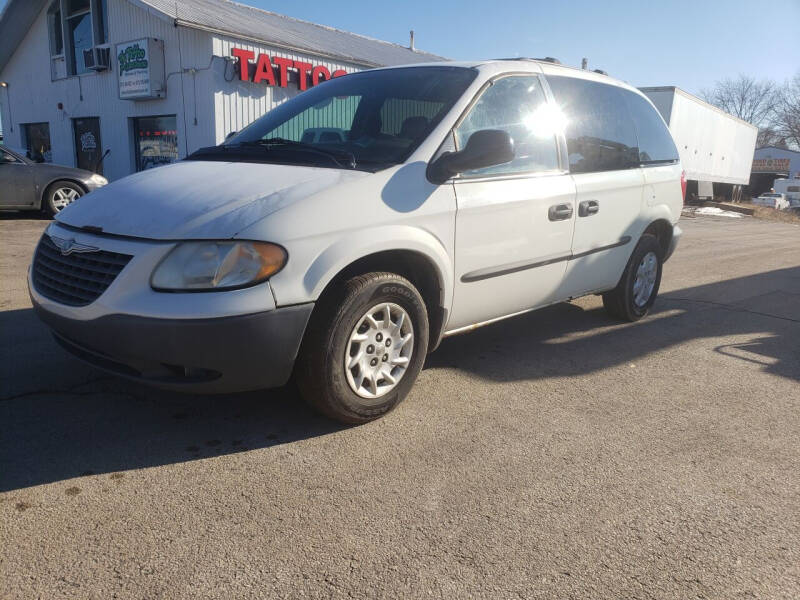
(34, 97)
(793, 156)
(202, 89)
(238, 103)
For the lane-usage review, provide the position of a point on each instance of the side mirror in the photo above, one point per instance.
(485, 148)
(230, 135)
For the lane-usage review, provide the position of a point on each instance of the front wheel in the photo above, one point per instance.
(60, 195)
(638, 287)
(364, 347)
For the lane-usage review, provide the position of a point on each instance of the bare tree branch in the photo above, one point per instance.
(753, 101)
(787, 112)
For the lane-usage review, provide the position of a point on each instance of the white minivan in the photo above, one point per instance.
(456, 194)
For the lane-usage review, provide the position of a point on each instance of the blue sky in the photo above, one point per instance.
(688, 43)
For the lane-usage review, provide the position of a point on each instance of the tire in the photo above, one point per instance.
(321, 373)
(59, 195)
(629, 301)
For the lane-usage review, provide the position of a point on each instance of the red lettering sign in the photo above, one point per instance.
(244, 56)
(265, 69)
(320, 71)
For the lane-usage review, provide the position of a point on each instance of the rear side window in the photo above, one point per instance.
(599, 131)
(517, 105)
(655, 141)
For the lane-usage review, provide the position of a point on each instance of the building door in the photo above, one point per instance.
(88, 149)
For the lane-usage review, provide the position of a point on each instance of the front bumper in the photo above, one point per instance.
(217, 355)
(677, 232)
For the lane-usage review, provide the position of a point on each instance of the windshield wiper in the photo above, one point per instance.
(335, 155)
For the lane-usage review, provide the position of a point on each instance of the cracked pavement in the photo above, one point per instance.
(555, 455)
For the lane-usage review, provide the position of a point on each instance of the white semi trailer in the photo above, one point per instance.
(715, 147)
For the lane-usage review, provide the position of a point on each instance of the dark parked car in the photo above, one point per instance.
(29, 185)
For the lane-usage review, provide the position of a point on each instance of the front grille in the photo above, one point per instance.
(76, 279)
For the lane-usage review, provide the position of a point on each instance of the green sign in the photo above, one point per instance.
(132, 57)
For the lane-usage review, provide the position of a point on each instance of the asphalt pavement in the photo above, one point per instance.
(559, 454)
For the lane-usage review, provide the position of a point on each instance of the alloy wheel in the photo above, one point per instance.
(379, 350)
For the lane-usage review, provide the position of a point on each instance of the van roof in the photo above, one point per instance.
(547, 64)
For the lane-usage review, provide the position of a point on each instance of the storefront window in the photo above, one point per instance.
(37, 141)
(156, 141)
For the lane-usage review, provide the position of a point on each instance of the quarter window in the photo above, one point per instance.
(655, 141)
(518, 106)
(599, 131)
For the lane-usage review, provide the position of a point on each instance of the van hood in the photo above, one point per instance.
(198, 199)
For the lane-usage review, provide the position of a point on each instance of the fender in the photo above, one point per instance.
(358, 244)
(647, 216)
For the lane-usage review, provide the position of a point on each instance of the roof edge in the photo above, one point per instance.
(330, 28)
(187, 22)
(239, 36)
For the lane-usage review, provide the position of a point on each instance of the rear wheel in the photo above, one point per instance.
(364, 347)
(61, 194)
(638, 287)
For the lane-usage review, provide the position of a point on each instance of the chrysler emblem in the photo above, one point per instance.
(69, 246)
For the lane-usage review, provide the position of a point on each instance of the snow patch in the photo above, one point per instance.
(717, 212)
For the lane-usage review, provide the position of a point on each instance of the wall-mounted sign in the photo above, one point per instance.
(279, 70)
(770, 165)
(140, 69)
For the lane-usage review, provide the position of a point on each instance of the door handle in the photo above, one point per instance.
(587, 208)
(559, 212)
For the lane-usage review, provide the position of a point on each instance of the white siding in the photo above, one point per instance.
(238, 103)
(34, 98)
(203, 91)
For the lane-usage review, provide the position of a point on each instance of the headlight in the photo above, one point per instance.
(217, 265)
(98, 180)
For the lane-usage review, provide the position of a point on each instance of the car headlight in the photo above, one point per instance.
(217, 265)
(98, 180)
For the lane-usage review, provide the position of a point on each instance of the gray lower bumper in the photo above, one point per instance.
(228, 354)
(677, 232)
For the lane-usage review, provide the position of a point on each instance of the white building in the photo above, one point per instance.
(771, 164)
(150, 81)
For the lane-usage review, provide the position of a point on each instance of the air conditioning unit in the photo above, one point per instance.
(97, 59)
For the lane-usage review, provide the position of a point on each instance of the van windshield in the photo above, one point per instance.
(368, 120)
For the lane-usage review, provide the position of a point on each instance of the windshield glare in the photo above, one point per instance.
(376, 117)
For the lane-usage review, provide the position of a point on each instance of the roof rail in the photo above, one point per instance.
(601, 71)
(549, 59)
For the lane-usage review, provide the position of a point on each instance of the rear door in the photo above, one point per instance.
(604, 163)
(658, 155)
(511, 242)
(16, 182)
